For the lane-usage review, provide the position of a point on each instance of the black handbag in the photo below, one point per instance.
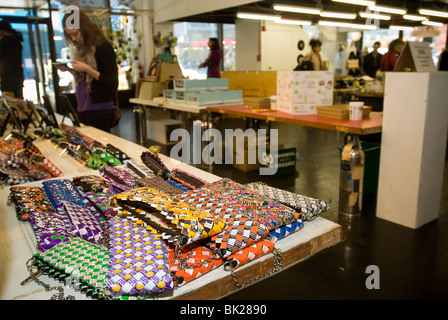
(305, 65)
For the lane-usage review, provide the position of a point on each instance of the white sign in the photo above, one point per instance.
(416, 56)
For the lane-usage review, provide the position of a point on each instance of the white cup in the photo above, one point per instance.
(356, 108)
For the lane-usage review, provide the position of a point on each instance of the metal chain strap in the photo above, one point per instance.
(34, 277)
(278, 265)
(183, 261)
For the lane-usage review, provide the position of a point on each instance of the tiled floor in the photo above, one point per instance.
(413, 264)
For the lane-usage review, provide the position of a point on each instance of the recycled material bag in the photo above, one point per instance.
(62, 190)
(192, 263)
(187, 179)
(91, 183)
(80, 264)
(32, 205)
(83, 222)
(138, 260)
(175, 221)
(226, 194)
(309, 208)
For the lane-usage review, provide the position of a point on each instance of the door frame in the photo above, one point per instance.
(34, 34)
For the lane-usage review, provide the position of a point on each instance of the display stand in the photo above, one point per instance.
(415, 122)
(18, 242)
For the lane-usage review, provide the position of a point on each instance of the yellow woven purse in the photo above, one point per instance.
(174, 221)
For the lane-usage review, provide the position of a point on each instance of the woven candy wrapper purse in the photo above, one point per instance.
(120, 177)
(117, 153)
(31, 205)
(83, 223)
(62, 190)
(191, 262)
(153, 162)
(98, 204)
(134, 267)
(80, 264)
(187, 179)
(250, 217)
(175, 221)
(161, 185)
(138, 260)
(91, 183)
(309, 208)
(140, 171)
(262, 209)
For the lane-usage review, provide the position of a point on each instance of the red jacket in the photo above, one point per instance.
(389, 60)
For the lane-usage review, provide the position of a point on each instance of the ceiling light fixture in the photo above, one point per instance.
(295, 22)
(357, 2)
(401, 28)
(347, 25)
(387, 9)
(433, 13)
(339, 15)
(364, 26)
(334, 24)
(414, 17)
(374, 16)
(255, 16)
(307, 10)
(432, 23)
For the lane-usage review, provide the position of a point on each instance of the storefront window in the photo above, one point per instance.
(384, 36)
(118, 28)
(228, 45)
(192, 46)
(435, 36)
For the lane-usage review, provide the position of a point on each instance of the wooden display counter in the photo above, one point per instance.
(372, 124)
(18, 243)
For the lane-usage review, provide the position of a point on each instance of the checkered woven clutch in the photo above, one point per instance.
(308, 207)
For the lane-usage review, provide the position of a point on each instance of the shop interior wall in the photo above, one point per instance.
(261, 45)
(279, 43)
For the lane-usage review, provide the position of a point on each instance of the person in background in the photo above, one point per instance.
(372, 61)
(314, 55)
(11, 69)
(213, 60)
(96, 72)
(353, 60)
(390, 58)
(442, 64)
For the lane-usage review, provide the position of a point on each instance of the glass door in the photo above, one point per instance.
(36, 56)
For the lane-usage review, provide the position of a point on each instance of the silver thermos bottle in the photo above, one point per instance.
(352, 177)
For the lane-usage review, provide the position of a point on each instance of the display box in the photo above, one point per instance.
(232, 96)
(300, 92)
(160, 130)
(179, 96)
(257, 103)
(168, 94)
(218, 83)
(285, 160)
(191, 85)
(203, 98)
(148, 90)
